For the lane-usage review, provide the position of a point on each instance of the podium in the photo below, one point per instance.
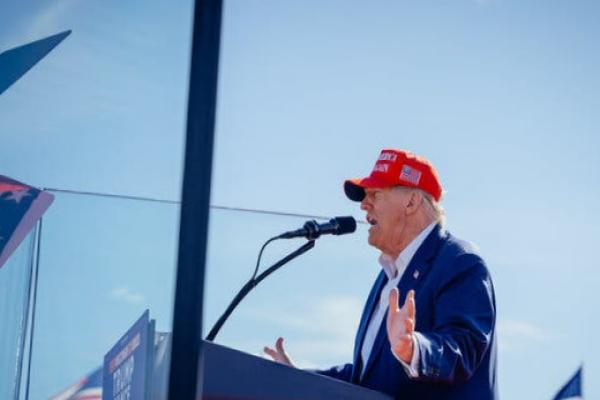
(232, 374)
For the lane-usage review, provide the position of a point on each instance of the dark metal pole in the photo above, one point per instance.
(36, 272)
(184, 375)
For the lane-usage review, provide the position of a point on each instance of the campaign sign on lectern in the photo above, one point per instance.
(128, 365)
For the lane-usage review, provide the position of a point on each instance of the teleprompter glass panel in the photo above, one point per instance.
(93, 105)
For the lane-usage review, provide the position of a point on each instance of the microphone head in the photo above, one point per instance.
(343, 225)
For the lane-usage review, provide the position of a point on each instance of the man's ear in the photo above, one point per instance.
(413, 202)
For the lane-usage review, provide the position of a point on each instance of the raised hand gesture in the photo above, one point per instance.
(401, 325)
(279, 354)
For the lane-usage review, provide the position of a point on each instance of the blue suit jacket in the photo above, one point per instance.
(455, 324)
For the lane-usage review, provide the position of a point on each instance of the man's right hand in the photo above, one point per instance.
(279, 354)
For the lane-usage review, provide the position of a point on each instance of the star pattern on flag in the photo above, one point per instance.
(21, 206)
(18, 195)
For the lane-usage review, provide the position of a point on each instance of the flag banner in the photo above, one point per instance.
(14, 63)
(90, 386)
(572, 389)
(128, 365)
(21, 206)
(87, 388)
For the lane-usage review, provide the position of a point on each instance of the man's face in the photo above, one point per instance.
(386, 213)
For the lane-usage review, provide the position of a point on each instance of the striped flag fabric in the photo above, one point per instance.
(572, 389)
(87, 388)
(21, 206)
(410, 174)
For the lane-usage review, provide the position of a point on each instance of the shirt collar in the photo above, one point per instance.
(395, 268)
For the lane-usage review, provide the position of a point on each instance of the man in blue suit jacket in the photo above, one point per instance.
(441, 344)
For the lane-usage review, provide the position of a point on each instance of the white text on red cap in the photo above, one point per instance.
(388, 156)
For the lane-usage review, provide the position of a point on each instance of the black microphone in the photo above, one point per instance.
(312, 230)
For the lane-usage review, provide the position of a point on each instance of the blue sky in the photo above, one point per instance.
(500, 95)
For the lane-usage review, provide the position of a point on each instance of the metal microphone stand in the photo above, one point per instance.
(251, 284)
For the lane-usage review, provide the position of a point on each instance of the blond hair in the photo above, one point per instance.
(433, 208)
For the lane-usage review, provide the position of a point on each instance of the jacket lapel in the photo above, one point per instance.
(411, 280)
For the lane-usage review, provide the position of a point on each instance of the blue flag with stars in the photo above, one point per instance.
(21, 206)
(572, 389)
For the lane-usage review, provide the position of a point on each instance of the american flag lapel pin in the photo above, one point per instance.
(416, 274)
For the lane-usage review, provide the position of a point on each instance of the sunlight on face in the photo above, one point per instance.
(386, 213)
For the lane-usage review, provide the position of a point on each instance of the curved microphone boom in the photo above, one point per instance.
(312, 230)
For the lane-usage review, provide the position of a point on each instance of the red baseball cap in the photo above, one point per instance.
(397, 168)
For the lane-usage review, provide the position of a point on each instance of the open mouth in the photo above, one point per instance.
(372, 221)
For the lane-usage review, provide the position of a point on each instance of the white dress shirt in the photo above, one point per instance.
(394, 270)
